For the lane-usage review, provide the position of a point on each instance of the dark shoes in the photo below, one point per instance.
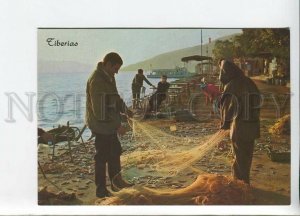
(101, 193)
(119, 183)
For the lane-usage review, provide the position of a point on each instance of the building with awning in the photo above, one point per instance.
(204, 67)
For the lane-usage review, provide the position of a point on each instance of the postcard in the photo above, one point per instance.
(149, 107)
(164, 116)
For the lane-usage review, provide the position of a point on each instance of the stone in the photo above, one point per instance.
(82, 187)
(259, 165)
(141, 166)
(65, 183)
(176, 186)
(89, 182)
(168, 182)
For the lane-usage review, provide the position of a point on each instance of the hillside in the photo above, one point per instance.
(173, 58)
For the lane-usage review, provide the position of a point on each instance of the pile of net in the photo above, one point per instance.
(282, 126)
(46, 197)
(208, 189)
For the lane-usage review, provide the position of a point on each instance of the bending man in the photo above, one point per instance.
(240, 113)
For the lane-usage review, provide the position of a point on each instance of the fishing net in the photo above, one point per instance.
(282, 126)
(208, 189)
(162, 152)
(163, 155)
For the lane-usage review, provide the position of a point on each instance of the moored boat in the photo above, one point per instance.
(177, 72)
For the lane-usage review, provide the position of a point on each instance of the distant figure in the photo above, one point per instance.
(266, 67)
(240, 113)
(160, 95)
(103, 116)
(136, 86)
(212, 94)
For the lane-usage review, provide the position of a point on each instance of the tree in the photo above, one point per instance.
(274, 41)
(223, 49)
(253, 42)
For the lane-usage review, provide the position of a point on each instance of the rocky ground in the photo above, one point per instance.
(270, 180)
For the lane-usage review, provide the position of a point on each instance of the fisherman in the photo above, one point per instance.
(104, 107)
(240, 113)
(160, 95)
(136, 86)
(212, 94)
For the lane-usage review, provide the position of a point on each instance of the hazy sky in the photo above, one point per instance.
(133, 45)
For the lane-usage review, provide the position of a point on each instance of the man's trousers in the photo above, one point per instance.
(108, 150)
(243, 153)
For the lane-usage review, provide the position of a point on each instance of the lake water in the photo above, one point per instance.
(61, 97)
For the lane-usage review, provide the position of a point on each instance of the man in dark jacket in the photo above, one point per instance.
(240, 113)
(160, 95)
(136, 86)
(103, 116)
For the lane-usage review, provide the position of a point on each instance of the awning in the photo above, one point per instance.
(196, 58)
(205, 63)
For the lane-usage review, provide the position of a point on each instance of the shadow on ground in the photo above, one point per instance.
(263, 197)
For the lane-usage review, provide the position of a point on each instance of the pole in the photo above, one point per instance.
(201, 42)
(201, 52)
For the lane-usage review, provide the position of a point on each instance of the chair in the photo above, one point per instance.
(64, 133)
(67, 133)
